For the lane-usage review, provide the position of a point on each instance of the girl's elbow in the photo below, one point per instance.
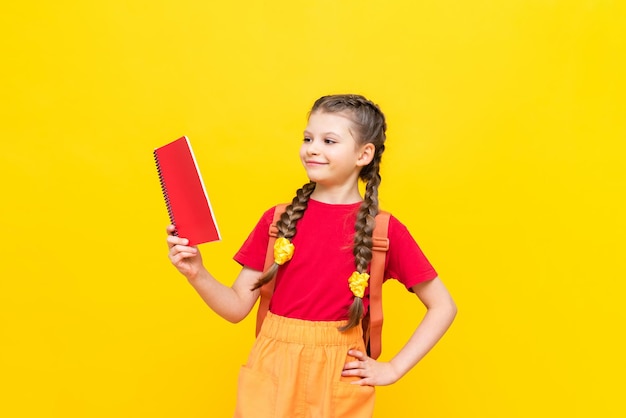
(234, 318)
(450, 305)
(453, 310)
(446, 308)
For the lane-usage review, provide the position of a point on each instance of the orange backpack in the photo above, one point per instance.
(373, 320)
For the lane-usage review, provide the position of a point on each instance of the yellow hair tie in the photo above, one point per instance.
(283, 250)
(358, 283)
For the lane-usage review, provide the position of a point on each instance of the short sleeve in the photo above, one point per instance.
(252, 252)
(405, 260)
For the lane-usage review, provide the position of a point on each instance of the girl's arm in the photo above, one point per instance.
(441, 311)
(231, 303)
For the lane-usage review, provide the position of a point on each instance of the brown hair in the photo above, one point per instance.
(369, 123)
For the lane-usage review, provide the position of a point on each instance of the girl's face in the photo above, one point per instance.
(330, 153)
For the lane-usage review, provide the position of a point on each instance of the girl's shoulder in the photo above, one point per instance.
(269, 213)
(267, 218)
(397, 229)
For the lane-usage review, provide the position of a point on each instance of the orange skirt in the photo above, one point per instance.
(294, 371)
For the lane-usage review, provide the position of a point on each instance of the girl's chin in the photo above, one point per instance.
(315, 177)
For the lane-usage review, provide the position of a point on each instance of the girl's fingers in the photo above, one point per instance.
(351, 365)
(358, 354)
(185, 252)
(180, 256)
(174, 240)
(178, 250)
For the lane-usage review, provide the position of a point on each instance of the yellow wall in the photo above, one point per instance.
(505, 158)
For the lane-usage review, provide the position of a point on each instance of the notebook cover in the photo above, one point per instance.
(185, 196)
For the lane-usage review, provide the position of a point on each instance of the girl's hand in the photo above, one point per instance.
(186, 259)
(372, 372)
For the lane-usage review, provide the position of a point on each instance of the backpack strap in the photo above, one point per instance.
(373, 325)
(268, 288)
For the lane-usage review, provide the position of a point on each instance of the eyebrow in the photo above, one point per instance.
(324, 133)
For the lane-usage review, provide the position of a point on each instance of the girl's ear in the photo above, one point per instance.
(366, 155)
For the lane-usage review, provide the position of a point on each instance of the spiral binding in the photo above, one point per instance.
(164, 190)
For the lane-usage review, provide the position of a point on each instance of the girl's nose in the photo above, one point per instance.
(312, 148)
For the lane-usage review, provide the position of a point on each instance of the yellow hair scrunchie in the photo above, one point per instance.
(358, 283)
(283, 250)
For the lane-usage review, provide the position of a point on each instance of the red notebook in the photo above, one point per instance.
(186, 198)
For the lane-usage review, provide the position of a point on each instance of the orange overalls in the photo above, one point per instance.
(294, 371)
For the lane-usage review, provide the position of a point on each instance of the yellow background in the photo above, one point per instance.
(506, 149)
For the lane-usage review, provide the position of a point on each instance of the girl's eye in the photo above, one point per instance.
(329, 141)
(306, 139)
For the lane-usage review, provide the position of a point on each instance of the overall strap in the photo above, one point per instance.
(372, 327)
(268, 288)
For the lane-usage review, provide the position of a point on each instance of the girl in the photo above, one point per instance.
(309, 358)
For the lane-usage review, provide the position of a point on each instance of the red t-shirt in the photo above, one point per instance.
(313, 285)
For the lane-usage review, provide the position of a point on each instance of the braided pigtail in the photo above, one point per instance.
(286, 226)
(363, 243)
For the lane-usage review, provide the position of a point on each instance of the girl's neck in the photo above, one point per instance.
(336, 195)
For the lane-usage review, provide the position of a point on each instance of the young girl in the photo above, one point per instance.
(309, 358)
